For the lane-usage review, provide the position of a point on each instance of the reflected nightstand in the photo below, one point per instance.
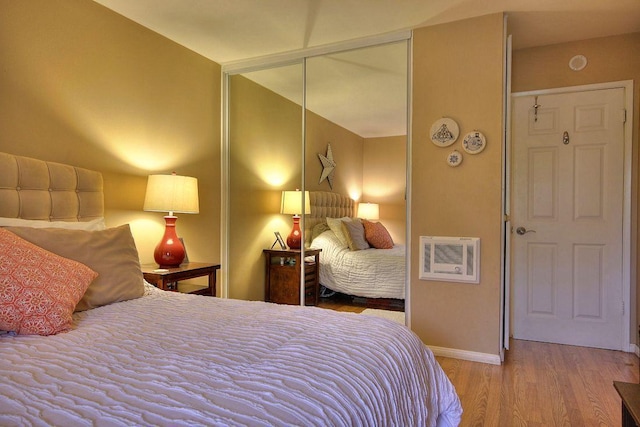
(282, 281)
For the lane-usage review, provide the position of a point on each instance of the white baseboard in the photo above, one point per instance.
(472, 356)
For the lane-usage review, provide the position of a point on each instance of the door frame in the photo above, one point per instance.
(628, 241)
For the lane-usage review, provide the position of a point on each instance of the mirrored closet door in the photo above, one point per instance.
(356, 106)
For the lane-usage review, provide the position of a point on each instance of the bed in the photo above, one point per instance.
(137, 355)
(346, 266)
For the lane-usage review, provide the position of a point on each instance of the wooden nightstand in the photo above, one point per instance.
(168, 280)
(282, 281)
(630, 395)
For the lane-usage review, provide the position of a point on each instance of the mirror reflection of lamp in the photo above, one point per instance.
(292, 204)
(369, 211)
(173, 194)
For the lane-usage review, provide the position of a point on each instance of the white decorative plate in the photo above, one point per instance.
(444, 132)
(454, 158)
(474, 142)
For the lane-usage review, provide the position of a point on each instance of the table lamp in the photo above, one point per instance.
(173, 194)
(368, 211)
(292, 204)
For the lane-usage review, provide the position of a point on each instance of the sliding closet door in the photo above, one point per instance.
(356, 106)
(264, 158)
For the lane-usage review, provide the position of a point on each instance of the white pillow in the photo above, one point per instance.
(93, 225)
(335, 224)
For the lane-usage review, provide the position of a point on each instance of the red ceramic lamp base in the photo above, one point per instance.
(170, 251)
(294, 241)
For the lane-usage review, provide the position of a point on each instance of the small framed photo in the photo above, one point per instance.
(279, 240)
(186, 257)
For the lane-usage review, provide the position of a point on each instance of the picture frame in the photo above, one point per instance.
(279, 240)
(186, 257)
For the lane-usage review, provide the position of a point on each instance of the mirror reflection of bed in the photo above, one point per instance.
(356, 102)
(360, 264)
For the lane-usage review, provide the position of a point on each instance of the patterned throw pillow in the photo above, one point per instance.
(377, 235)
(38, 289)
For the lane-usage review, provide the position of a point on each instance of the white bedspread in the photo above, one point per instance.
(369, 273)
(175, 359)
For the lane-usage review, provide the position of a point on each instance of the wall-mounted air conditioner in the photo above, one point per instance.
(454, 259)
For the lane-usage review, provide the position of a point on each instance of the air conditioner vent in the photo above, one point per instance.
(454, 259)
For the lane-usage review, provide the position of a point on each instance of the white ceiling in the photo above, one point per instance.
(231, 31)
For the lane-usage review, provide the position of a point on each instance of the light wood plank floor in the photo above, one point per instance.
(543, 384)
(539, 384)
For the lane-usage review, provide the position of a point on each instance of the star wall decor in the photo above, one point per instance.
(328, 167)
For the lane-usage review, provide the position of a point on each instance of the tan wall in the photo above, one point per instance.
(385, 182)
(610, 59)
(458, 73)
(82, 85)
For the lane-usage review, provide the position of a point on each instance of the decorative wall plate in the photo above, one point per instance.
(454, 158)
(474, 142)
(444, 132)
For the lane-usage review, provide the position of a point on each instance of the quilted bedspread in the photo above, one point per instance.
(175, 359)
(370, 273)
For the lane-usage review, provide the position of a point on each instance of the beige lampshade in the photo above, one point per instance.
(369, 211)
(172, 193)
(292, 202)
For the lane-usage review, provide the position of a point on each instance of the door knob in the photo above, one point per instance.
(522, 231)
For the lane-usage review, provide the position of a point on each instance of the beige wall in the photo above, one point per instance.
(385, 182)
(609, 59)
(82, 85)
(458, 73)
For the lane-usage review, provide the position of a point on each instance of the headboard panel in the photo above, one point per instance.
(40, 190)
(326, 204)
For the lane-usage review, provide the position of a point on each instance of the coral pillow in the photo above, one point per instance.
(377, 235)
(38, 289)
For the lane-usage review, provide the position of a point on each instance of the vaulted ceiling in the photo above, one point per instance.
(229, 31)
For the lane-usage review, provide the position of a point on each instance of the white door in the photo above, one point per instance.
(567, 218)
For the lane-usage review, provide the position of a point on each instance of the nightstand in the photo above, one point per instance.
(282, 281)
(167, 279)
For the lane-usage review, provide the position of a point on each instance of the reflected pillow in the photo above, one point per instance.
(354, 232)
(377, 235)
(318, 229)
(111, 253)
(38, 289)
(335, 224)
(95, 224)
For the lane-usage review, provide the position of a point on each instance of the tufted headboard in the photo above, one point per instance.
(326, 204)
(39, 190)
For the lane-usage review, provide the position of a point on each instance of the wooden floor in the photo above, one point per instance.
(539, 384)
(543, 384)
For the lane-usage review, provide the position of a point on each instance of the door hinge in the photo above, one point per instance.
(622, 307)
